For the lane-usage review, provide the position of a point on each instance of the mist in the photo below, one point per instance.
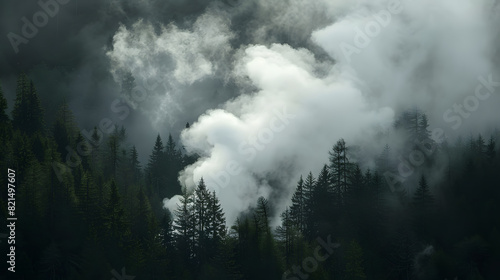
(268, 86)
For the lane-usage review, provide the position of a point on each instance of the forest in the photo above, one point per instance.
(89, 209)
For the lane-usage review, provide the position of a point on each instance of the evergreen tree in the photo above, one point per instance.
(286, 235)
(154, 167)
(263, 215)
(310, 204)
(202, 218)
(184, 228)
(490, 149)
(340, 169)
(114, 216)
(217, 225)
(298, 209)
(166, 232)
(423, 197)
(135, 165)
(4, 118)
(354, 265)
(28, 113)
(173, 165)
(423, 130)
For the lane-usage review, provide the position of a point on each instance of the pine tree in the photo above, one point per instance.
(202, 218)
(423, 129)
(423, 197)
(28, 113)
(480, 146)
(298, 208)
(263, 215)
(4, 118)
(217, 225)
(286, 235)
(142, 227)
(310, 204)
(322, 214)
(166, 232)
(154, 167)
(354, 265)
(113, 156)
(340, 169)
(184, 227)
(114, 216)
(384, 161)
(173, 163)
(490, 149)
(135, 165)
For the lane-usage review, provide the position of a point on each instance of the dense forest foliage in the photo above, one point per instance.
(88, 209)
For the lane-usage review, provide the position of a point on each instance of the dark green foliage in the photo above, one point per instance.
(27, 114)
(107, 212)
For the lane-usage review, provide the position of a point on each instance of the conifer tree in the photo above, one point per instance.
(114, 216)
(340, 169)
(298, 208)
(184, 227)
(154, 167)
(310, 204)
(354, 265)
(423, 197)
(490, 149)
(202, 218)
(263, 215)
(28, 113)
(217, 225)
(4, 118)
(135, 165)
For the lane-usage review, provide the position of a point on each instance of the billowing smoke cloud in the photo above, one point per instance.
(167, 65)
(389, 56)
(270, 84)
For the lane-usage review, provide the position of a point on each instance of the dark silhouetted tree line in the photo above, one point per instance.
(80, 217)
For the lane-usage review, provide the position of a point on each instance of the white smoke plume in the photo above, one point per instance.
(292, 104)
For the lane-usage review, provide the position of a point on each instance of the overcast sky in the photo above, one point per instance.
(268, 85)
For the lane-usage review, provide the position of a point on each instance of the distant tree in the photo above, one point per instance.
(115, 223)
(423, 197)
(423, 129)
(263, 215)
(490, 149)
(154, 167)
(340, 169)
(173, 165)
(4, 118)
(384, 160)
(480, 146)
(64, 130)
(28, 113)
(354, 262)
(143, 226)
(135, 164)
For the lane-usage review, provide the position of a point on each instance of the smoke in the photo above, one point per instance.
(270, 85)
(389, 56)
